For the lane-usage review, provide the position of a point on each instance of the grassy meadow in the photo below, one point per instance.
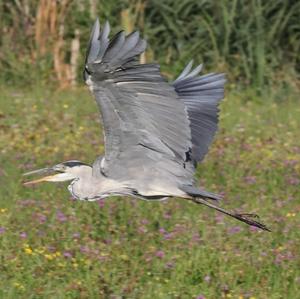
(56, 247)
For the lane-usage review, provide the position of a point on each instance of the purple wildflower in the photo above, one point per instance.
(101, 203)
(196, 238)
(179, 228)
(282, 256)
(27, 202)
(2, 230)
(253, 229)
(142, 229)
(76, 235)
(250, 180)
(102, 257)
(169, 265)
(160, 254)
(167, 216)
(84, 249)
(60, 216)
(162, 230)
(290, 162)
(168, 236)
(107, 241)
(207, 278)
(234, 229)
(41, 218)
(23, 235)
(41, 233)
(200, 297)
(51, 248)
(219, 218)
(68, 254)
(144, 221)
(293, 181)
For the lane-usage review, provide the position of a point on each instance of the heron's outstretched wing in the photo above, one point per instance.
(201, 95)
(145, 122)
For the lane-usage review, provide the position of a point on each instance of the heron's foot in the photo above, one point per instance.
(248, 218)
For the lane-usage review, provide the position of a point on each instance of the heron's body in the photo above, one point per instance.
(155, 131)
(86, 186)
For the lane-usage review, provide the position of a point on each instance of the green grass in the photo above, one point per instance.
(54, 247)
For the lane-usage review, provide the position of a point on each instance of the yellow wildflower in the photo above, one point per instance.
(124, 257)
(19, 286)
(40, 251)
(87, 262)
(28, 250)
(57, 253)
(290, 214)
(49, 256)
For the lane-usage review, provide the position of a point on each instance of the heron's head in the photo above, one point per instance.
(61, 172)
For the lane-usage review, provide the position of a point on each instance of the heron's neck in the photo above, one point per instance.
(89, 187)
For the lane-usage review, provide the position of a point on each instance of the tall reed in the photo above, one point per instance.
(257, 42)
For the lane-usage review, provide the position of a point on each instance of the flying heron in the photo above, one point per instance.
(155, 132)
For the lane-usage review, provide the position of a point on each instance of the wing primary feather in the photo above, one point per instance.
(195, 71)
(138, 49)
(130, 42)
(94, 44)
(104, 41)
(114, 47)
(186, 70)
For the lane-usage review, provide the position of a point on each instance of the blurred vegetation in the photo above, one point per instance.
(57, 248)
(257, 42)
(52, 247)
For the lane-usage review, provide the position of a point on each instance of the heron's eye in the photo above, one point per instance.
(60, 168)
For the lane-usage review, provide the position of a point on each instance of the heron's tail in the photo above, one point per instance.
(196, 192)
(198, 196)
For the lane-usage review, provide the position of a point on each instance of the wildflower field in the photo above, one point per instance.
(55, 247)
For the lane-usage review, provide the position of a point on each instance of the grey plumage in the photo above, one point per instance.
(145, 122)
(155, 132)
(201, 95)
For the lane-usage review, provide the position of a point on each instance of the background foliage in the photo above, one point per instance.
(258, 41)
(52, 246)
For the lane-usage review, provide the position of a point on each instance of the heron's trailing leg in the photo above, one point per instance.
(247, 218)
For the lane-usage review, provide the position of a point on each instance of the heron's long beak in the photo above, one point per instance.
(59, 177)
(38, 171)
(44, 179)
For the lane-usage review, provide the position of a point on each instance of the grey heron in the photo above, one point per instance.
(155, 132)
